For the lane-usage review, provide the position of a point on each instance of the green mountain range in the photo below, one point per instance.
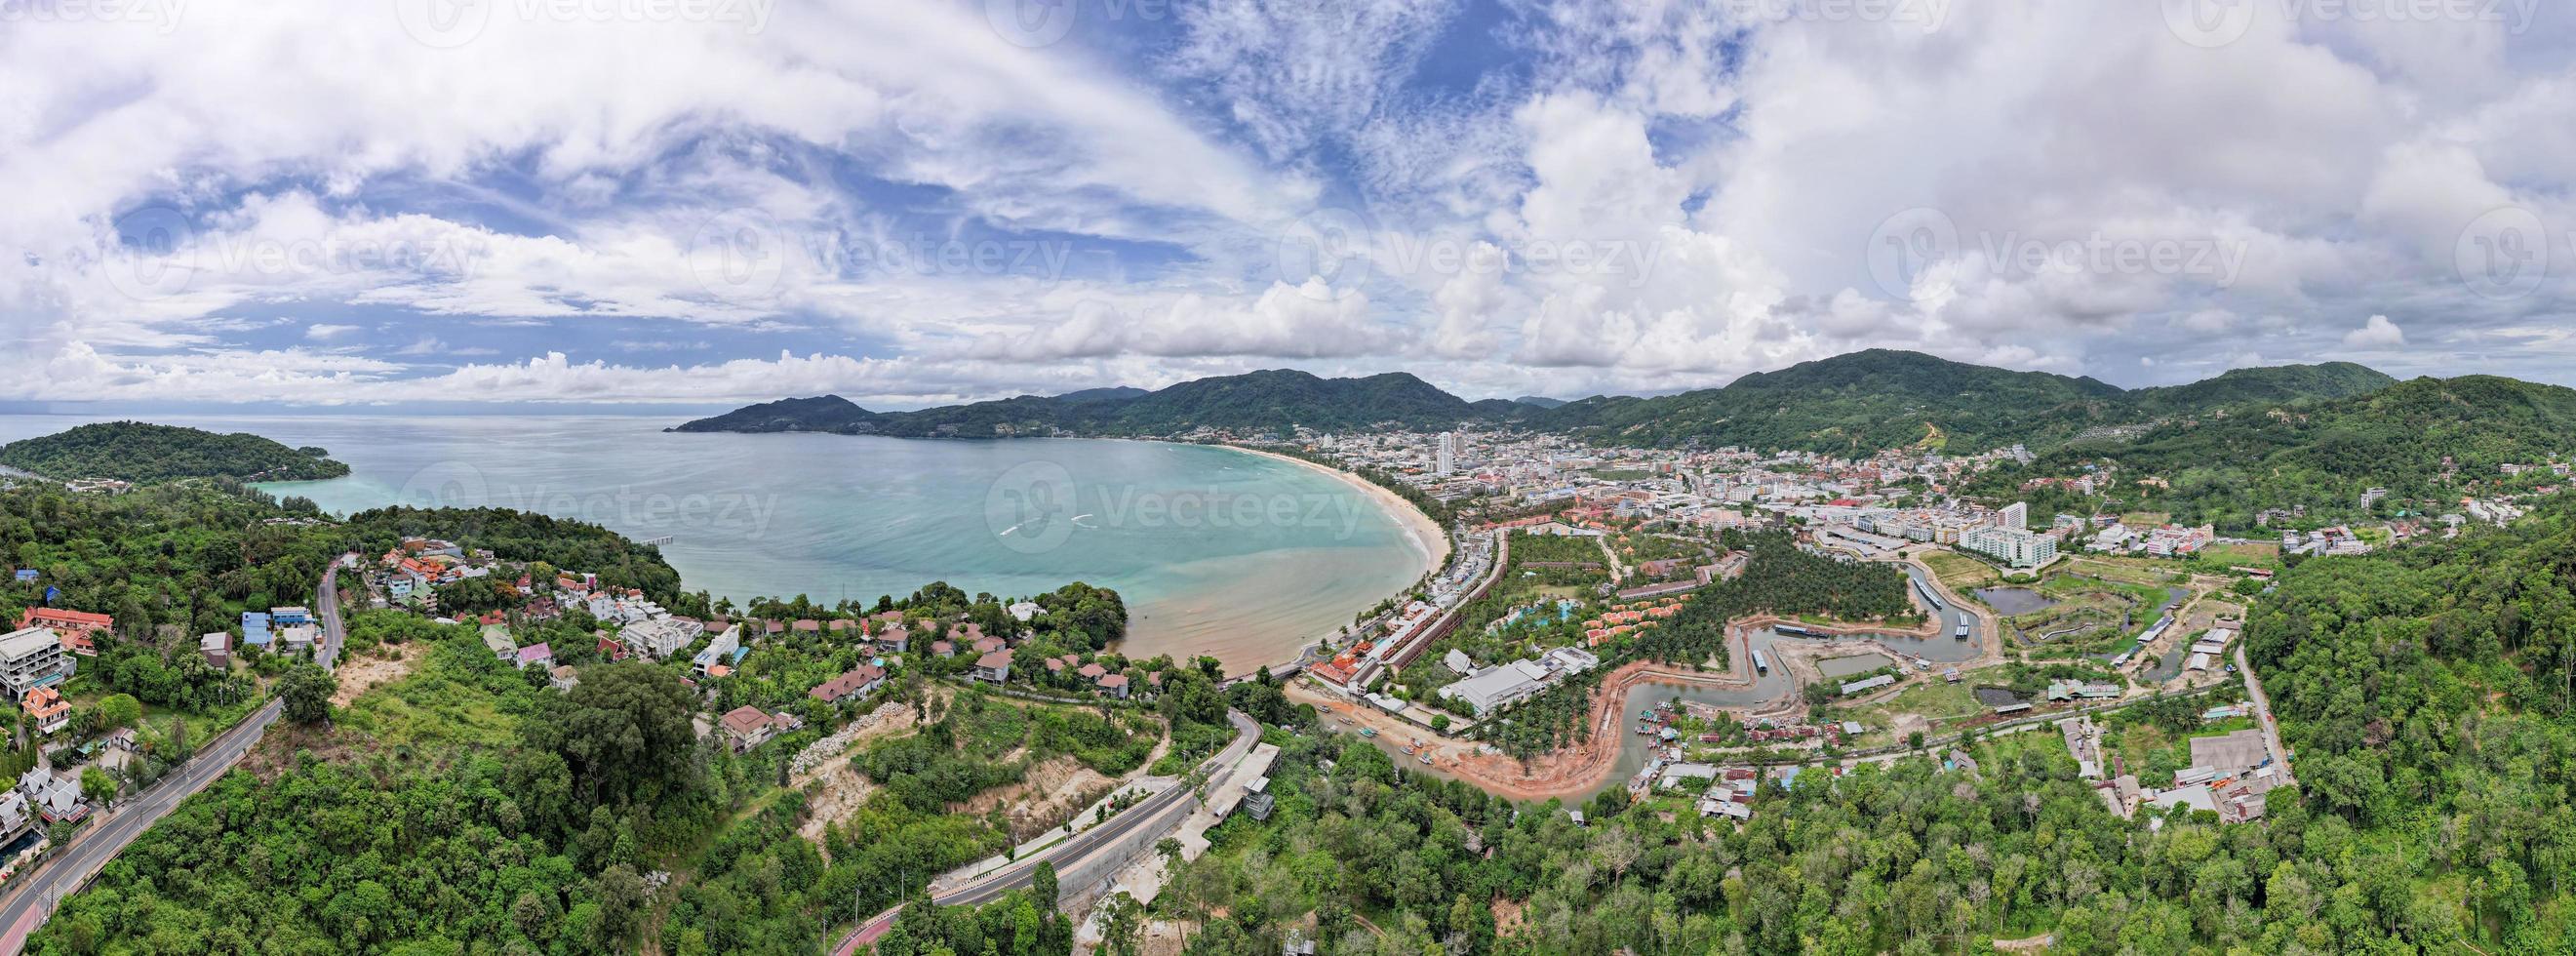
(2424, 440)
(1859, 402)
(1257, 401)
(140, 452)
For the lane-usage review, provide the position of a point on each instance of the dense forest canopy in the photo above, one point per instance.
(141, 452)
(2423, 440)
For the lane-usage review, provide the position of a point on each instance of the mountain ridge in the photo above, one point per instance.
(1856, 402)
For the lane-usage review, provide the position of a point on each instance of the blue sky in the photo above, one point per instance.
(618, 202)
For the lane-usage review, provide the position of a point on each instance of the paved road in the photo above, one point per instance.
(59, 876)
(2263, 715)
(1161, 813)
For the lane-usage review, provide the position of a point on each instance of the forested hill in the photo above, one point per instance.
(2223, 468)
(523, 536)
(1861, 402)
(1256, 401)
(143, 452)
(2427, 695)
(2279, 384)
(1884, 398)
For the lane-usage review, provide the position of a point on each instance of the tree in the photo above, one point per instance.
(119, 710)
(307, 690)
(623, 731)
(97, 785)
(1122, 919)
(1042, 885)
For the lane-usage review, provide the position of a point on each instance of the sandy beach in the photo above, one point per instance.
(1427, 537)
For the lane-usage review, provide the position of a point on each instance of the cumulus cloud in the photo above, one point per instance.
(1597, 195)
(2377, 333)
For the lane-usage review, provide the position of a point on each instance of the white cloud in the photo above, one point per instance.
(2377, 333)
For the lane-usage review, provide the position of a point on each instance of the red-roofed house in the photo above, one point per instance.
(74, 627)
(857, 683)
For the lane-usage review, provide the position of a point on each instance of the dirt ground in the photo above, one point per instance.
(1054, 790)
(837, 791)
(366, 671)
(1575, 771)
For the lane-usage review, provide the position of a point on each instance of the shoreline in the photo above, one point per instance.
(1427, 537)
(1424, 535)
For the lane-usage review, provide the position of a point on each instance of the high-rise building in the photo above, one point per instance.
(2014, 547)
(2015, 516)
(1444, 457)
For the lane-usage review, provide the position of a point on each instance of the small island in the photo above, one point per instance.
(143, 453)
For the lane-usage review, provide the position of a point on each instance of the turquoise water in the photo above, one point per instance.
(1217, 551)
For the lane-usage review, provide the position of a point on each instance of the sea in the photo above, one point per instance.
(1216, 551)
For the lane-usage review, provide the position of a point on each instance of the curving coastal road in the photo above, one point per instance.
(36, 894)
(1086, 857)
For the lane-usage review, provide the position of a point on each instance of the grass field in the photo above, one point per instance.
(1937, 700)
(1959, 572)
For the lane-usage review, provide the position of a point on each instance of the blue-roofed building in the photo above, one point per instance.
(255, 629)
(28, 574)
(289, 616)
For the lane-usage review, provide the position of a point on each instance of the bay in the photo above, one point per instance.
(1218, 552)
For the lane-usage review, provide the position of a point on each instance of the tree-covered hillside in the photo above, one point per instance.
(2275, 385)
(522, 536)
(2223, 468)
(1252, 402)
(143, 452)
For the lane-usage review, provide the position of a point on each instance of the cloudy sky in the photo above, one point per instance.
(913, 202)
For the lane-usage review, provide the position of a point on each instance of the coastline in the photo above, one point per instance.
(1427, 537)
